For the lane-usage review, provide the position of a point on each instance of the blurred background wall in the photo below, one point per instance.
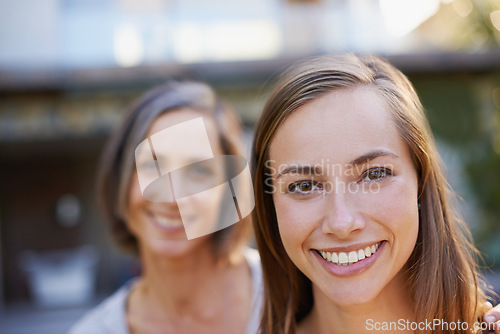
(68, 68)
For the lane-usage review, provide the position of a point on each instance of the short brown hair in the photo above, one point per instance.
(117, 161)
(444, 278)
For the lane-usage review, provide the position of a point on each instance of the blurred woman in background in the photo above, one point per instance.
(209, 284)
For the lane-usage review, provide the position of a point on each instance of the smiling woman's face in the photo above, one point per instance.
(345, 195)
(159, 225)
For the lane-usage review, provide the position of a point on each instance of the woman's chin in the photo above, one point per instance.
(346, 298)
(176, 248)
(352, 301)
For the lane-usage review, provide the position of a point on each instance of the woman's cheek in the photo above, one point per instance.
(296, 219)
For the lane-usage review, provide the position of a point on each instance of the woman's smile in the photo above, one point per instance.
(168, 222)
(349, 262)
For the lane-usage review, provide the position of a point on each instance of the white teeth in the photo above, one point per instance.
(361, 254)
(368, 251)
(164, 221)
(345, 259)
(353, 257)
(335, 258)
(342, 258)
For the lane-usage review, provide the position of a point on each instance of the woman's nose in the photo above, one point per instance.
(342, 217)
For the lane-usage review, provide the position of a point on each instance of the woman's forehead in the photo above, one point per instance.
(341, 124)
(184, 116)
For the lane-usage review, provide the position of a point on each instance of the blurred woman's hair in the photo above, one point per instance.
(117, 162)
(444, 279)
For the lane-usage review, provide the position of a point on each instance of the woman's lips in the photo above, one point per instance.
(168, 222)
(352, 262)
(349, 257)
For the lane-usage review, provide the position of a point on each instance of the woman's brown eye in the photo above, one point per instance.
(305, 186)
(376, 174)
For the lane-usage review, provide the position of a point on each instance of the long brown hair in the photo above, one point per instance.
(444, 279)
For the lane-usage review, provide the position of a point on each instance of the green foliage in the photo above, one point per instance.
(460, 116)
(452, 109)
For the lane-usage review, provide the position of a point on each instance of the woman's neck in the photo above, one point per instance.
(389, 312)
(186, 282)
(182, 294)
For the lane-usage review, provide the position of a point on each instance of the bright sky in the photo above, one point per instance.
(402, 16)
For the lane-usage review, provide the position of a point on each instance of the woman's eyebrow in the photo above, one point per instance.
(372, 155)
(316, 169)
(306, 169)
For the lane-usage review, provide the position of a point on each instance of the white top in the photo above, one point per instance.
(109, 317)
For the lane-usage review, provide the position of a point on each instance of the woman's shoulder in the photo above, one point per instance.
(107, 317)
(253, 259)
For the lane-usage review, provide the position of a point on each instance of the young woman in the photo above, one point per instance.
(208, 284)
(353, 218)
